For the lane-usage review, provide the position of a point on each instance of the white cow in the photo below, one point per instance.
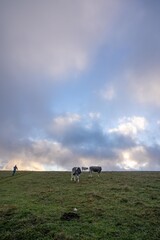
(76, 171)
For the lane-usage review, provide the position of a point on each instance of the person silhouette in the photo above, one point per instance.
(15, 168)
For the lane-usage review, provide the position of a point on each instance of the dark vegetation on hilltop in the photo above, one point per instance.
(47, 205)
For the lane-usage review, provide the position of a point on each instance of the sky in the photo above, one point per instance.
(80, 84)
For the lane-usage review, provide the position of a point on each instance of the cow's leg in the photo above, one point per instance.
(71, 176)
(77, 178)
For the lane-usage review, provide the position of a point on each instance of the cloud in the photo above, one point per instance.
(133, 159)
(94, 115)
(74, 144)
(53, 37)
(24, 164)
(136, 55)
(74, 129)
(145, 86)
(111, 48)
(67, 120)
(108, 93)
(38, 155)
(130, 126)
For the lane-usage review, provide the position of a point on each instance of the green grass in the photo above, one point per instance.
(117, 205)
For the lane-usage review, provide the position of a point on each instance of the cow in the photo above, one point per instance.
(76, 171)
(84, 168)
(97, 169)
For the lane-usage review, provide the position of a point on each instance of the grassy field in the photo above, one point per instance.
(117, 205)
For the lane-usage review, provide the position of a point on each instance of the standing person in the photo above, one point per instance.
(15, 168)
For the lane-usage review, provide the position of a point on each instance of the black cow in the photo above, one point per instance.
(76, 171)
(97, 169)
(84, 168)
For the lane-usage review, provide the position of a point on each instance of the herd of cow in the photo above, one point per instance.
(76, 172)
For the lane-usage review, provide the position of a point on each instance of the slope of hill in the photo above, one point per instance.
(47, 205)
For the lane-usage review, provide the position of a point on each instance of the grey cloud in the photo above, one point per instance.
(153, 153)
(75, 143)
(79, 134)
(39, 40)
(24, 108)
(53, 37)
(91, 141)
(50, 152)
(135, 54)
(43, 42)
(139, 32)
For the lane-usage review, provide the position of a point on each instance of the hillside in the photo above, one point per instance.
(47, 205)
